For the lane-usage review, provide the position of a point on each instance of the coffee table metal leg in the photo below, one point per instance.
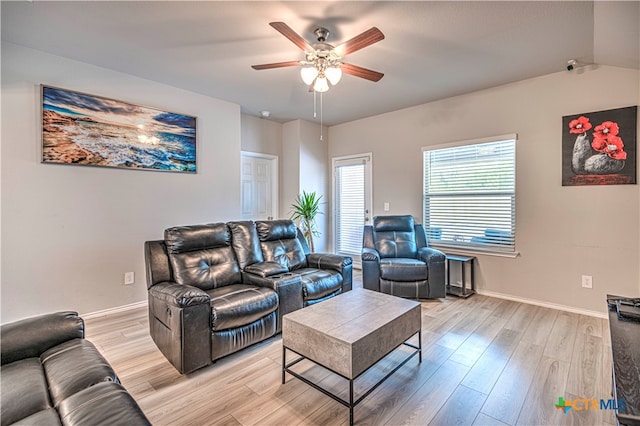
(351, 402)
(284, 361)
(419, 347)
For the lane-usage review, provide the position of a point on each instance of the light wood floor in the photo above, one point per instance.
(485, 361)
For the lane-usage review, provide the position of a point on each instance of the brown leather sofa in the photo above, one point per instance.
(51, 375)
(217, 288)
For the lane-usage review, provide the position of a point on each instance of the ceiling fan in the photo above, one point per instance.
(323, 62)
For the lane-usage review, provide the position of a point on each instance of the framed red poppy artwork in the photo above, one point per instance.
(599, 148)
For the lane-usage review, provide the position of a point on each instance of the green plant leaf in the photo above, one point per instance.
(305, 209)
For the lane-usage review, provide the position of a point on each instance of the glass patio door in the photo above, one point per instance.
(352, 201)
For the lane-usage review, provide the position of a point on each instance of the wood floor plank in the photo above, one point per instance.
(460, 331)
(475, 345)
(427, 400)
(549, 380)
(506, 308)
(461, 408)
(591, 325)
(507, 396)
(486, 371)
(484, 420)
(263, 405)
(544, 319)
(608, 417)
(606, 335)
(521, 318)
(562, 336)
(384, 402)
(585, 374)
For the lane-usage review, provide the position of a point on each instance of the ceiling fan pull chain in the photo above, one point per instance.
(321, 117)
(315, 114)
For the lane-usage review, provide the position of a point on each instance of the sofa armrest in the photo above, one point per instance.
(370, 269)
(180, 324)
(289, 289)
(370, 255)
(430, 255)
(266, 269)
(32, 336)
(435, 260)
(179, 295)
(341, 264)
(328, 261)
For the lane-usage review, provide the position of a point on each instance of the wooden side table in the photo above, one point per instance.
(467, 285)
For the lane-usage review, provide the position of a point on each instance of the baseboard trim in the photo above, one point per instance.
(117, 309)
(544, 304)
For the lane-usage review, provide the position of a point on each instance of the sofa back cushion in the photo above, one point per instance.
(394, 236)
(279, 243)
(201, 255)
(245, 243)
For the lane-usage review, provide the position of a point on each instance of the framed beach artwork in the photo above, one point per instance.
(90, 130)
(599, 148)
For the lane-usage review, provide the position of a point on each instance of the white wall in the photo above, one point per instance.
(260, 135)
(306, 167)
(561, 232)
(69, 233)
(290, 166)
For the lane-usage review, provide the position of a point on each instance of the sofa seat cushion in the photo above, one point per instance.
(318, 283)
(105, 404)
(41, 418)
(240, 304)
(73, 366)
(24, 390)
(403, 269)
(410, 289)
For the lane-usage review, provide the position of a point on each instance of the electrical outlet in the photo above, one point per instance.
(129, 278)
(587, 281)
(386, 207)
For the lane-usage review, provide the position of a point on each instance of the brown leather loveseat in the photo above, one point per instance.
(217, 288)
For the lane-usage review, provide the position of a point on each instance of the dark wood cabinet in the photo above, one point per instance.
(625, 347)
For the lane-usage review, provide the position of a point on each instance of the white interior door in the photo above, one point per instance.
(258, 186)
(352, 201)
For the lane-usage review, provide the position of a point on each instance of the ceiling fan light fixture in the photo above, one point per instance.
(333, 74)
(308, 74)
(321, 85)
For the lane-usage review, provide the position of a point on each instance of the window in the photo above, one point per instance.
(469, 194)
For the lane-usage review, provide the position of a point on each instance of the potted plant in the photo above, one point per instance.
(305, 209)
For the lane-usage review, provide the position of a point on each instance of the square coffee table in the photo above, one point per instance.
(348, 334)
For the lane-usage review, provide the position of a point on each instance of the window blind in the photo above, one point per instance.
(469, 195)
(350, 200)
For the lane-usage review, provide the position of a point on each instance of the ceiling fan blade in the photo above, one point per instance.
(286, 31)
(357, 71)
(276, 65)
(367, 38)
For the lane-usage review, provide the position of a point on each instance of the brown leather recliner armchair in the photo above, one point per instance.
(397, 260)
(199, 308)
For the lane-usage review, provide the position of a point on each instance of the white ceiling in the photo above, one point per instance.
(432, 50)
